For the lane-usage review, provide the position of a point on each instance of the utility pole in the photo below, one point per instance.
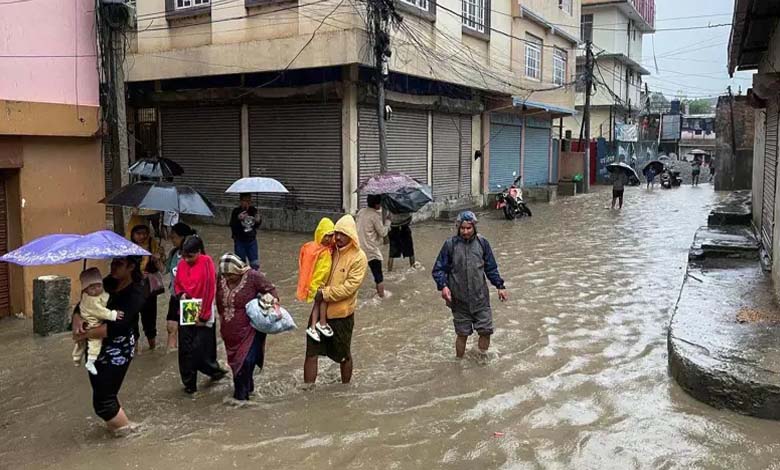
(586, 112)
(380, 12)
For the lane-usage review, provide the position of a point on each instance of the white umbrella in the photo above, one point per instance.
(257, 184)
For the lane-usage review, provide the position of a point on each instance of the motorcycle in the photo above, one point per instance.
(511, 201)
(670, 179)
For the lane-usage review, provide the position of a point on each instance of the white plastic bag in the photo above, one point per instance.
(270, 321)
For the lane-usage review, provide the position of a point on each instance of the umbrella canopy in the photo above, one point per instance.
(613, 167)
(657, 166)
(161, 197)
(698, 152)
(257, 184)
(408, 200)
(388, 183)
(157, 168)
(66, 248)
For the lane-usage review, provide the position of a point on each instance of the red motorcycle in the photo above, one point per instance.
(510, 200)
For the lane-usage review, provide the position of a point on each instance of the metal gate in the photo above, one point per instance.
(5, 296)
(300, 145)
(770, 173)
(407, 143)
(206, 142)
(451, 149)
(536, 162)
(505, 141)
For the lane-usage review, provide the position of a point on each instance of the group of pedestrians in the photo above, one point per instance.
(332, 269)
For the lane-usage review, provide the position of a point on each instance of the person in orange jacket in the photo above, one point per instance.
(314, 265)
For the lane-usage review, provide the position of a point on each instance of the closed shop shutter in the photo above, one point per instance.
(5, 296)
(300, 145)
(505, 140)
(465, 155)
(451, 155)
(407, 143)
(206, 142)
(536, 161)
(770, 176)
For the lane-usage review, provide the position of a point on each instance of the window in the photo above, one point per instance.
(579, 85)
(184, 4)
(421, 4)
(559, 67)
(586, 28)
(565, 5)
(474, 15)
(533, 57)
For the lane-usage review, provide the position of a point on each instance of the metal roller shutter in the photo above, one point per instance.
(446, 155)
(504, 144)
(536, 164)
(206, 142)
(300, 145)
(407, 143)
(465, 155)
(5, 295)
(770, 176)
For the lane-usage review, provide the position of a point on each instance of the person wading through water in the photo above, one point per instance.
(460, 272)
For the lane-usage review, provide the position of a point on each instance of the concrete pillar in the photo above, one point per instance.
(485, 145)
(430, 148)
(51, 304)
(244, 141)
(476, 144)
(349, 140)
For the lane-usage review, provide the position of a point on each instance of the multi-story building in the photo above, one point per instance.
(231, 88)
(50, 155)
(616, 29)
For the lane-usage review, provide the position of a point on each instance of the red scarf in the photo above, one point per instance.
(198, 281)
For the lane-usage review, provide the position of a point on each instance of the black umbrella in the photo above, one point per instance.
(657, 166)
(613, 167)
(407, 200)
(161, 197)
(157, 168)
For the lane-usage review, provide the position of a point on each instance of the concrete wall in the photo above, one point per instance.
(734, 165)
(759, 139)
(56, 191)
(63, 33)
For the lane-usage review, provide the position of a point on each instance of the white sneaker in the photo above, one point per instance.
(90, 366)
(313, 334)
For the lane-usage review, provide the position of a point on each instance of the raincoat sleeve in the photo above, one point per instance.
(355, 276)
(321, 273)
(491, 267)
(443, 265)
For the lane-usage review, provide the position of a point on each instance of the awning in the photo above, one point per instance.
(556, 111)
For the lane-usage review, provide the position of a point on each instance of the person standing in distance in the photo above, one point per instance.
(244, 222)
(462, 269)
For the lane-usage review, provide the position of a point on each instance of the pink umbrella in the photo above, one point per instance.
(388, 183)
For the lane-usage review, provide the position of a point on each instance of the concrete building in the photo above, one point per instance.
(616, 29)
(698, 132)
(734, 126)
(755, 45)
(241, 87)
(50, 159)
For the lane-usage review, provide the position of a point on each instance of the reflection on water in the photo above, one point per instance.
(576, 378)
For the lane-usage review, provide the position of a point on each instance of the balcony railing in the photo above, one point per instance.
(646, 9)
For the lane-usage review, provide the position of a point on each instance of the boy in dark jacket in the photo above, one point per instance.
(243, 224)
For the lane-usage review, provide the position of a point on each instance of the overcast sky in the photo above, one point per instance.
(692, 62)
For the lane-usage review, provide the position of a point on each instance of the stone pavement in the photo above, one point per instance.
(723, 337)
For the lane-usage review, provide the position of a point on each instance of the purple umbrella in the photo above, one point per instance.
(66, 248)
(387, 183)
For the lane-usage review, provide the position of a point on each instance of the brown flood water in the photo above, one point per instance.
(577, 377)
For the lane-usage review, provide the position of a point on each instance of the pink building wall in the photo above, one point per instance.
(47, 52)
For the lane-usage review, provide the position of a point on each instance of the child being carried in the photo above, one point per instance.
(94, 312)
(314, 264)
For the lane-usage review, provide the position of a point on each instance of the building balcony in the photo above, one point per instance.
(641, 11)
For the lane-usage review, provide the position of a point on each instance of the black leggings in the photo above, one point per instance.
(243, 382)
(148, 318)
(105, 387)
(197, 353)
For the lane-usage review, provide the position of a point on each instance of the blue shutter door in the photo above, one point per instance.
(504, 155)
(537, 157)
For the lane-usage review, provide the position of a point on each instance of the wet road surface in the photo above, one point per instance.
(577, 377)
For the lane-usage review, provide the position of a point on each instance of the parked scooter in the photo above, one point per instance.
(670, 178)
(511, 201)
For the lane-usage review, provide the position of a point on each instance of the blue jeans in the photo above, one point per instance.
(247, 251)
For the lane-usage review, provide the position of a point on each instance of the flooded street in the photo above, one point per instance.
(577, 377)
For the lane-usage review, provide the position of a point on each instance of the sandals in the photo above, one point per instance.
(313, 334)
(325, 329)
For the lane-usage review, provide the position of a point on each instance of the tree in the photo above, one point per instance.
(698, 106)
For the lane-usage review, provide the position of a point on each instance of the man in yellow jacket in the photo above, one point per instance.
(340, 293)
